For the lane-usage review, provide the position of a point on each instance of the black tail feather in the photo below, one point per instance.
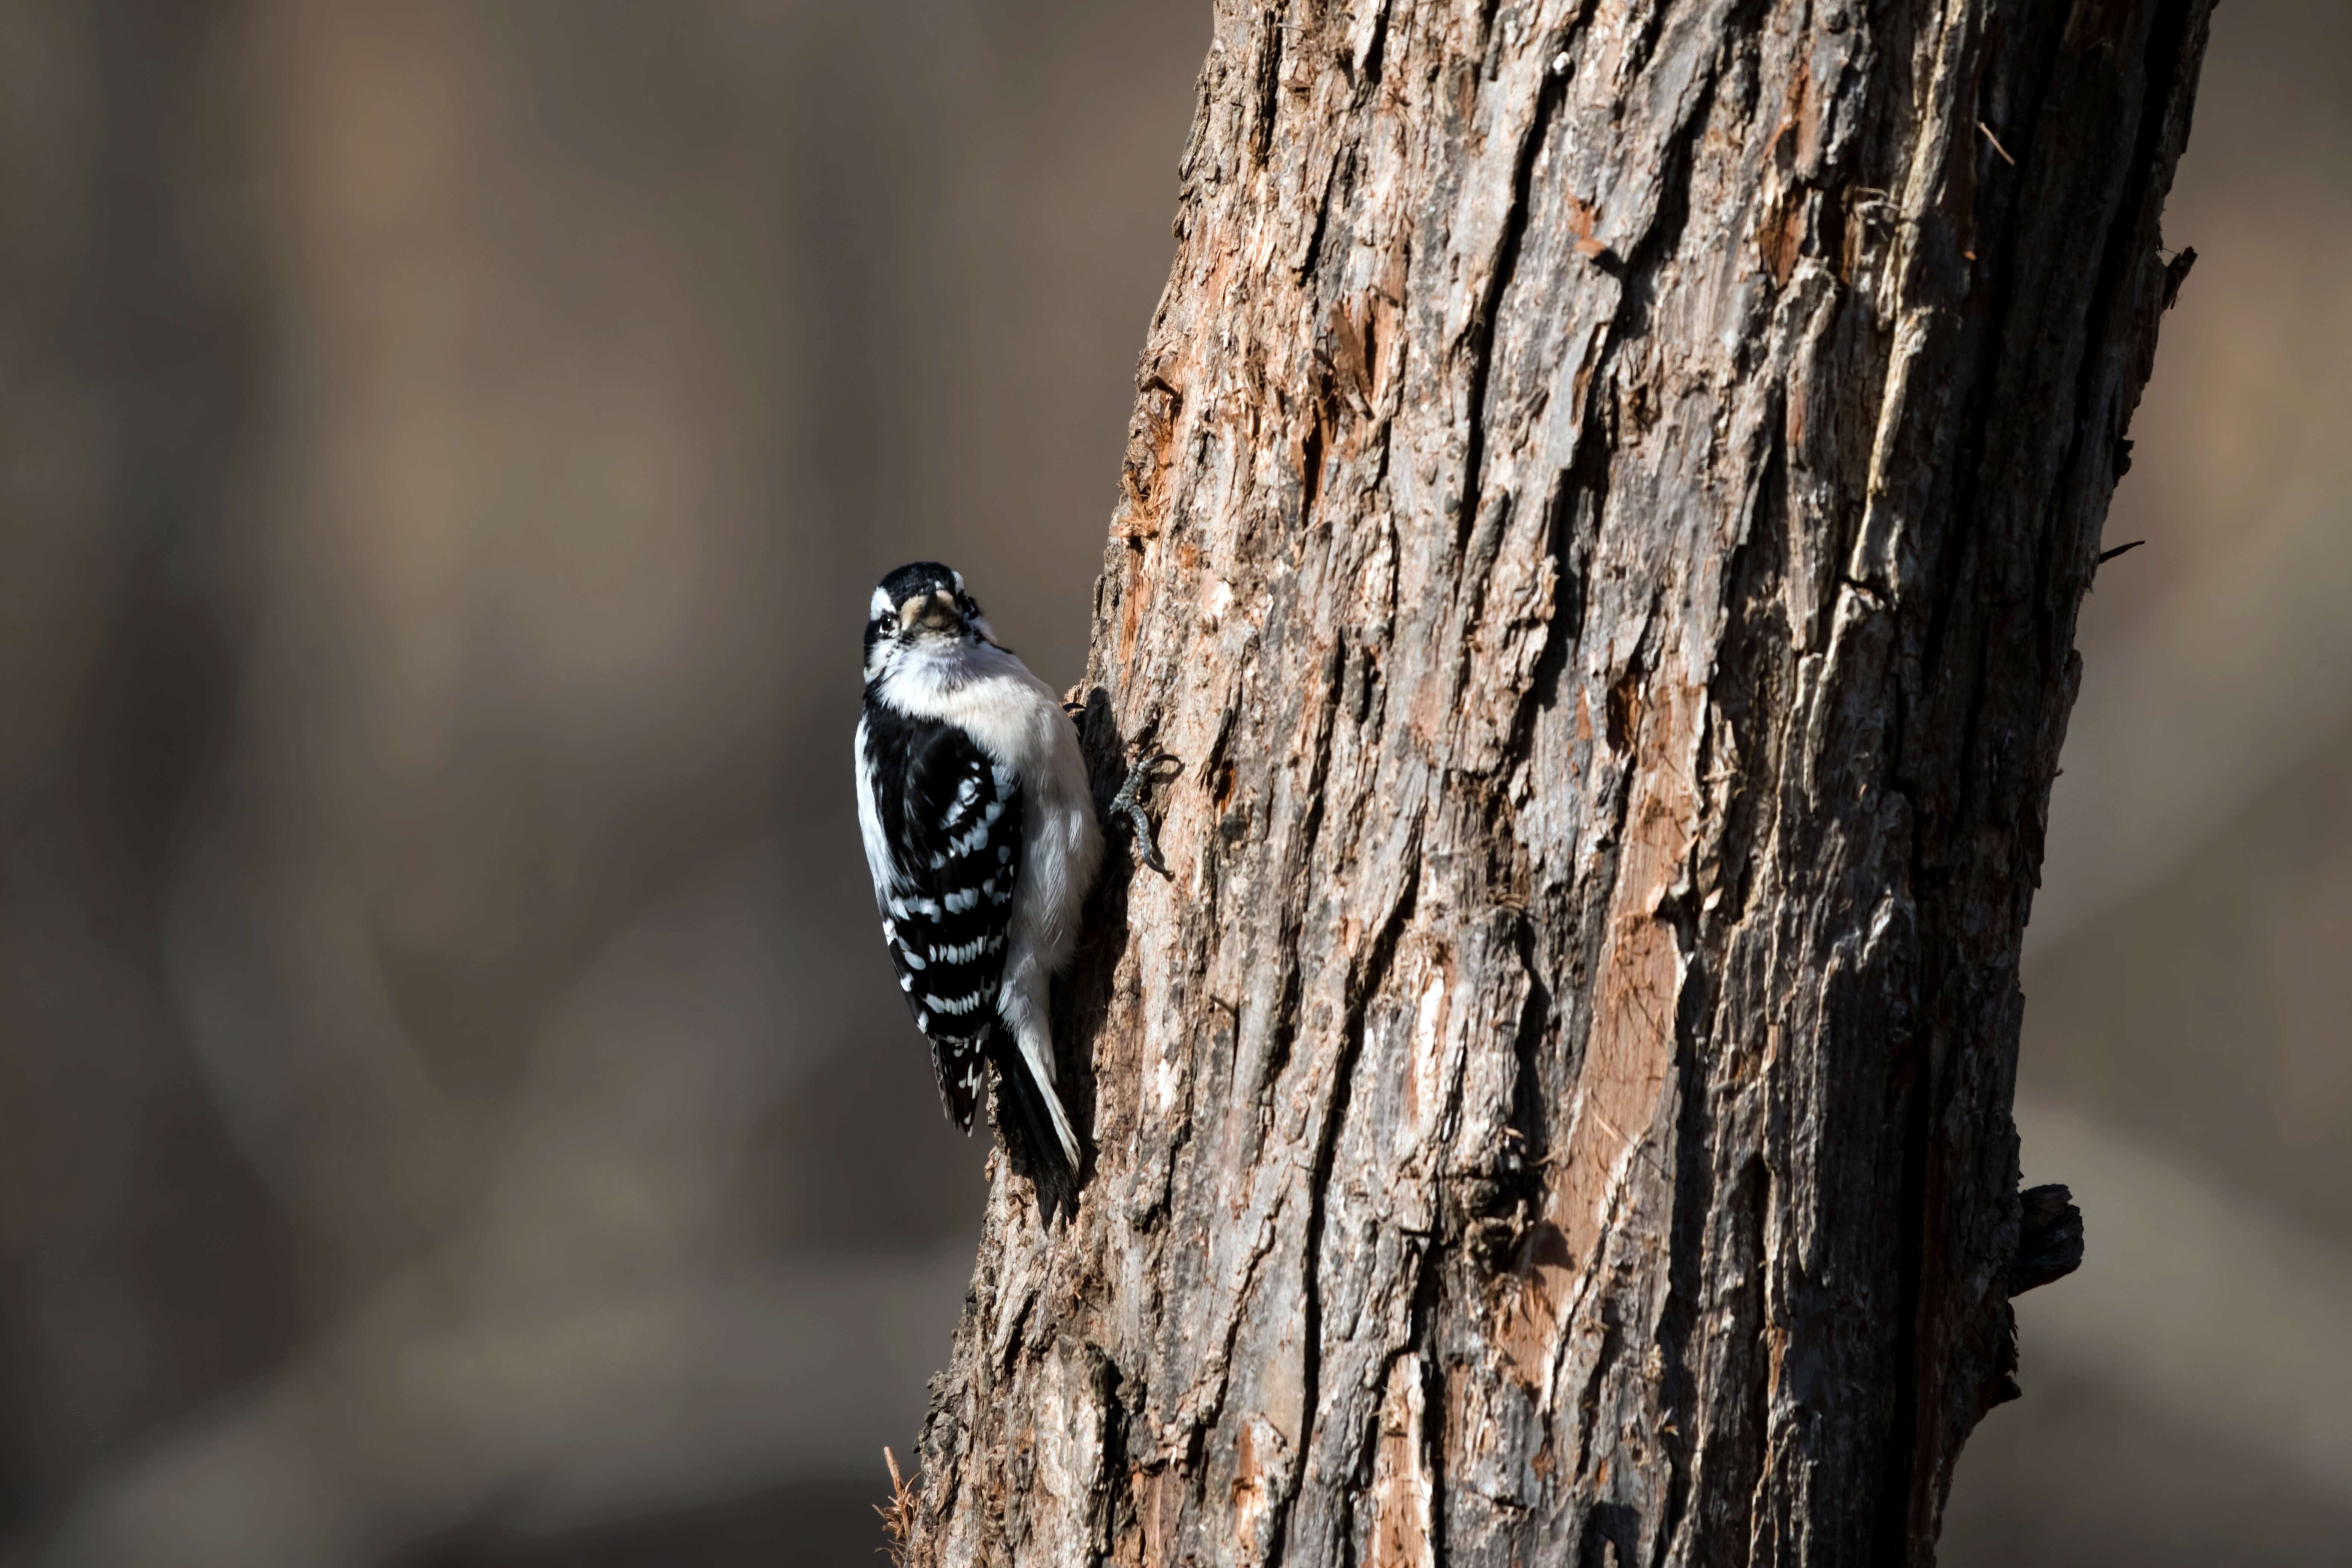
(1026, 1128)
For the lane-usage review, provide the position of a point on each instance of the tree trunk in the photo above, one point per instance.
(1606, 508)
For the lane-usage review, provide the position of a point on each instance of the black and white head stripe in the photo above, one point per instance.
(918, 601)
(951, 820)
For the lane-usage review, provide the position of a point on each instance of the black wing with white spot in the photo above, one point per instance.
(956, 822)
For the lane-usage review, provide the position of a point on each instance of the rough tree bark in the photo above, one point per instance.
(1607, 503)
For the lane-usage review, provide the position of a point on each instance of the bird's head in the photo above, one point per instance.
(921, 611)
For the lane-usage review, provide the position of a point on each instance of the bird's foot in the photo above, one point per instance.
(1127, 804)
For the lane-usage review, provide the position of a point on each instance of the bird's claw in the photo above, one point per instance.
(1126, 803)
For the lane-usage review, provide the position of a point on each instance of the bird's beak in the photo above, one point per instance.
(936, 610)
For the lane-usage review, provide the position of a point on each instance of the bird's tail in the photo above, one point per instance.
(1030, 1119)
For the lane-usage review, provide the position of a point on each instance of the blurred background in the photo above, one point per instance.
(445, 1117)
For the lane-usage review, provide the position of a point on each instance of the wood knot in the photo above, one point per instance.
(2048, 1238)
(2176, 273)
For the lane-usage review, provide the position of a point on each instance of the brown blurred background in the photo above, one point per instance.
(453, 1109)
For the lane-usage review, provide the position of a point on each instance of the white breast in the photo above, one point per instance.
(1018, 721)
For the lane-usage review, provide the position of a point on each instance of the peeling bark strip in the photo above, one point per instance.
(1603, 520)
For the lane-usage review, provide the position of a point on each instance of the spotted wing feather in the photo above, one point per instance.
(950, 902)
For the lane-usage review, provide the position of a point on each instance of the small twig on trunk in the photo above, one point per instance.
(897, 1514)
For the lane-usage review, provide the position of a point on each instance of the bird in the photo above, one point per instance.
(982, 839)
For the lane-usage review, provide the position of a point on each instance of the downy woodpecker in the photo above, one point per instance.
(980, 833)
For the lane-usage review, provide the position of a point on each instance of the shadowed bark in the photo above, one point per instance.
(1609, 495)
